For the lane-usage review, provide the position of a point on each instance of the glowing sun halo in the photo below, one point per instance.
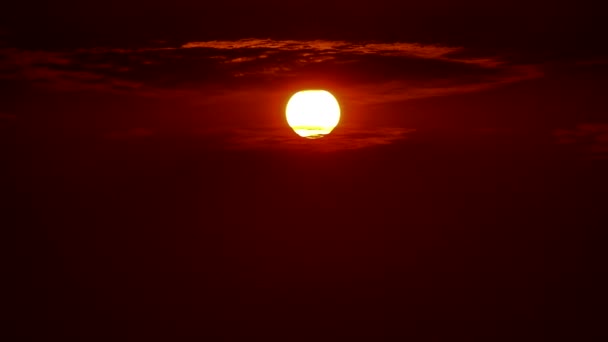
(313, 113)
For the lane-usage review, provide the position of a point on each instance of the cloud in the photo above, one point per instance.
(329, 46)
(589, 138)
(342, 138)
(273, 138)
(425, 51)
(55, 70)
(367, 72)
(402, 90)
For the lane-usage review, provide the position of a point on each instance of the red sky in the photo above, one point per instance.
(155, 191)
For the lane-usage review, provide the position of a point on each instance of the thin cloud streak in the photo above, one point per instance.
(284, 139)
(590, 138)
(344, 47)
(412, 49)
(398, 90)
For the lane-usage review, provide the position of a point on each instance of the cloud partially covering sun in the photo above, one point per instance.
(224, 73)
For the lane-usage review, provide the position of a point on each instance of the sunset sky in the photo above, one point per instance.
(156, 192)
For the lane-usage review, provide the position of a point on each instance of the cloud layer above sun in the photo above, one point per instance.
(226, 78)
(368, 72)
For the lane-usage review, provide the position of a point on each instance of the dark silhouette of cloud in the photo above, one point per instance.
(216, 73)
(373, 72)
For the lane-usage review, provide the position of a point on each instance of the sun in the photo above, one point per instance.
(313, 113)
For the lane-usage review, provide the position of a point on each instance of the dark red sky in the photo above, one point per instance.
(155, 191)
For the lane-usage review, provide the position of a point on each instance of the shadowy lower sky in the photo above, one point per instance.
(155, 192)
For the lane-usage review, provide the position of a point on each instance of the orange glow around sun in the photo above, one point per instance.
(313, 113)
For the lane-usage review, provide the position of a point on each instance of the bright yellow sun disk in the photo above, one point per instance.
(313, 113)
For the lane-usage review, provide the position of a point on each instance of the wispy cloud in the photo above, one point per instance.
(344, 138)
(590, 138)
(329, 46)
(225, 74)
(428, 51)
(371, 72)
(402, 90)
(56, 70)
